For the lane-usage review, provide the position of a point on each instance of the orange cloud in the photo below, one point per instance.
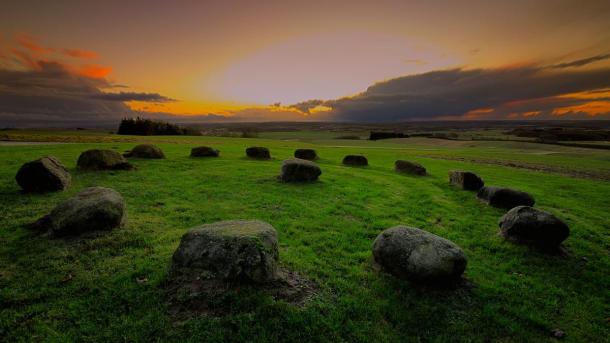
(80, 53)
(94, 71)
(29, 42)
(592, 109)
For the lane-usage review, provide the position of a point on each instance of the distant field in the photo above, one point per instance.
(76, 290)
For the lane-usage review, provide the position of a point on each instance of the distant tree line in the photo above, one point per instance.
(375, 135)
(146, 127)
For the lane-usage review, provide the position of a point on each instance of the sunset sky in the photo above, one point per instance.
(377, 61)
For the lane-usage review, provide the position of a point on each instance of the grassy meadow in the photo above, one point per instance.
(110, 288)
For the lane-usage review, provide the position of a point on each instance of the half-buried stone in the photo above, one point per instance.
(93, 209)
(528, 225)
(409, 167)
(96, 159)
(235, 250)
(146, 151)
(46, 174)
(355, 160)
(506, 198)
(305, 154)
(417, 255)
(465, 180)
(258, 152)
(204, 151)
(298, 170)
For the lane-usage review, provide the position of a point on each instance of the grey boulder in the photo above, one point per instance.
(506, 198)
(93, 209)
(417, 255)
(409, 167)
(204, 151)
(235, 250)
(305, 154)
(97, 159)
(298, 170)
(258, 152)
(46, 174)
(355, 160)
(528, 225)
(465, 180)
(146, 151)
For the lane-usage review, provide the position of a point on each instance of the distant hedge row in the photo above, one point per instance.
(147, 127)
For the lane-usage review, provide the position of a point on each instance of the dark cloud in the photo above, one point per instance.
(456, 92)
(133, 96)
(581, 62)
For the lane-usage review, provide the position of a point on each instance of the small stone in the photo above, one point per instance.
(558, 333)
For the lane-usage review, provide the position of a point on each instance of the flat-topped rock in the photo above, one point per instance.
(528, 225)
(46, 174)
(298, 170)
(465, 180)
(355, 160)
(92, 209)
(146, 151)
(418, 255)
(97, 159)
(204, 151)
(258, 152)
(409, 167)
(505, 197)
(234, 250)
(306, 154)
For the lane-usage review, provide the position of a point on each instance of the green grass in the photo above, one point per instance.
(86, 290)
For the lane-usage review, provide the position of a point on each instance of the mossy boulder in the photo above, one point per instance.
(465, 180)
(46, 174)
(298, 170)
(204, 151)
(506, 198)
(409, 167)
(97, 159)
(92, 209)
(528, 225)
(355, 160)
(146, 151)
(306, 154)
(258, 152)
(234, 250)
(417, 255)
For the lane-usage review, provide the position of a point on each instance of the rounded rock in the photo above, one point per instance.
(465, 180)
(505, 197)
(258, 152)
(146, 151)
(409, 167)
(46, 174)
(355, 160)
(97, 159)
(531, 226)
(414, 254)
(306, 154)
(204, 151)
(298, 170)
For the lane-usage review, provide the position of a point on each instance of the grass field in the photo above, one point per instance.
(88, 290)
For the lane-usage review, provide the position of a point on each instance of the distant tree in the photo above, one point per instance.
(146, 127)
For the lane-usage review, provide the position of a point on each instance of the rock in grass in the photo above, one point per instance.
(504, 197)
(409, 167)
(146, 151)
(465, 180)
(298, 170)
(96, 159)
(204, 151)
(355, 160)
(528, 225)
(93, 209)
(235, 250)
(258, 152)
(305, 154)
(414, 254)
(45, 174)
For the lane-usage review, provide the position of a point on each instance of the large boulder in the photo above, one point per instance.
(93, 209)
(528, 225)
(355, 160)
(145, 151)
(414, 254)
(234, 250)
(305, 154)
(298, 170)
(45, 174)
(258, 152)
(409, 167)
(204, 151)
(465, 180)
(97, 159)
(505, 197)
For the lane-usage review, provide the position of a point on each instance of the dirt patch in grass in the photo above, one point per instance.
(535, 167)
(187, 298)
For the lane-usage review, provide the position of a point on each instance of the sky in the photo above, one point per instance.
(75, 62)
